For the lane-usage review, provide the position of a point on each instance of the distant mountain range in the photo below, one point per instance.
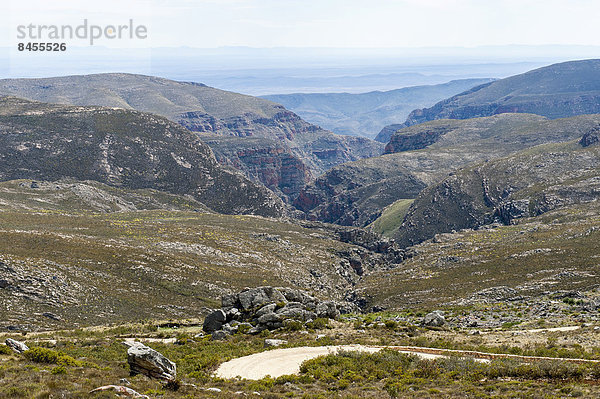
(556, 91)
(366, 114)
(290, 152)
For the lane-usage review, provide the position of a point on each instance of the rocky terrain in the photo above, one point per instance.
(365, 114)
(556, 91)
(287, 139)
(356, 193)
(123, 149)
(527, 184)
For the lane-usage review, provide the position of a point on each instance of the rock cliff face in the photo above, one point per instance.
(527, 184)
(124, 149)
(287, 140)
(207, 110)
(556, 91)
(408, 141)
(266, 161)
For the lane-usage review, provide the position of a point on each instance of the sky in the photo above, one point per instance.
(321, 23)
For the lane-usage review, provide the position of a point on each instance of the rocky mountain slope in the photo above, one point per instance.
(286, 137)
(527, 184)
(121, 148)
(556, 91)
(366, 114)
(356, 193)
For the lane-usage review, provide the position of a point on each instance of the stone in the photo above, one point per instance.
(257, 329)
(269, 343)
(269, 318)
(229, 301)
(257, 297)
(120, 390)
(220, 335)
(266, 309)
(434, 319)
(16, 346)
(233, 314)
(217, 390)
(229, 328)
(147, 361)
(214, 321)
(591, 138)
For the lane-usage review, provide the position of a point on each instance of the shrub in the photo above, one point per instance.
(5, 350)
(44, 355)
(243, 328)
(318, 324)
(59, 370)
(293, 325)
(391, 324)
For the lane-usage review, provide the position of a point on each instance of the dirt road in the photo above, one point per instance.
(280, 362)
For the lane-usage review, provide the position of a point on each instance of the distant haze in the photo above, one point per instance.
(262, 71)
(264, 47)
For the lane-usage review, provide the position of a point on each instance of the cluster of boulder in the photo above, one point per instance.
(265, 308)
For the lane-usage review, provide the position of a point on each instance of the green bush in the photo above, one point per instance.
(44, 355)
(318, 324)
(59, 370)
(5, 350)
(391, 324)
(294, 325)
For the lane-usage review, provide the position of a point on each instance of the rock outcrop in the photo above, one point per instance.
(591, 138)
(434, 319)
(147, 361)
(267, 308)
(16, 346)
(403, 140)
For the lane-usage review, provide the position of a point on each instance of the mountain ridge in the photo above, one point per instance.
(204, 109)
(555, 91)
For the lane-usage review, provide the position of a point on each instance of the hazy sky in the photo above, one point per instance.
(322, 23)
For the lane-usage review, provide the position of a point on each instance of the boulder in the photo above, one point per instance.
(265, 309)
(328, 310)
(214, 321)
(434, 319)
(16, 346)
(253, 298)
(229, 301)
(233, 314)
(220, 335)
(147, 361)
(591, 138)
